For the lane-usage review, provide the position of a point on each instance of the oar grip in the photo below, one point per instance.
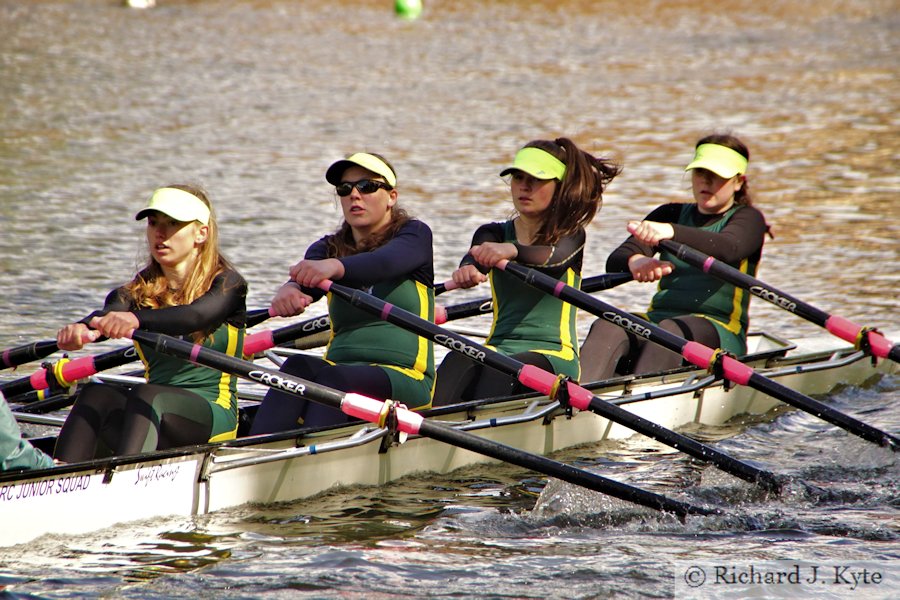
(849, 331)
(38, 380)
(74, 370)
(258, 342)
(369, 409)
(542, 381)
(702, 356)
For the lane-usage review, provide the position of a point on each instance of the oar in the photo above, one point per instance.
(545, 382)
(64, 373)
(376, 411)
(13, 357)
(700, 355)
(843, 328)
(481, 306)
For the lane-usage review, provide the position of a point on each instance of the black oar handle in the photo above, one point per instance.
(543, 381)
(839, 326)
(257, 316)
(482, 306)
(410, 422)
(699, 355)
(13, 357)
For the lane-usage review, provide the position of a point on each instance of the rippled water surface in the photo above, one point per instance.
(99, 104)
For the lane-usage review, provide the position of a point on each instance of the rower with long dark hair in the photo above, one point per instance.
(187, 289)
(556, 190)
(380, 249)
(720, 222)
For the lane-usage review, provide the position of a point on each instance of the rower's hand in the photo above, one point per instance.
(289, 301)
(468, 276)
(116, 324)
(648, 268)
(310, 273)
(651, 232)
(490, 253)
(74, 336)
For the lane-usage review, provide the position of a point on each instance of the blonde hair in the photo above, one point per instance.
(150, 287)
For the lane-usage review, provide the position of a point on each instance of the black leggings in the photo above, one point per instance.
(108, 420)
(281, 411)
(609, 350)
(460, 378)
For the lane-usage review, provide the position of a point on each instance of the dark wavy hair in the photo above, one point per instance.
(579, 196)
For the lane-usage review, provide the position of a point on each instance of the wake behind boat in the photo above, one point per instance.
(85, 497)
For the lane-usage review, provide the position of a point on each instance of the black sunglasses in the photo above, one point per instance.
(365, 186)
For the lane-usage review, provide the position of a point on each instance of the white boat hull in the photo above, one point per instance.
(76, 499)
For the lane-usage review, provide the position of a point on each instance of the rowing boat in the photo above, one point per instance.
(84, 497)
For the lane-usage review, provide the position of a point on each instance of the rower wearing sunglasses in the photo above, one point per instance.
(378, 248)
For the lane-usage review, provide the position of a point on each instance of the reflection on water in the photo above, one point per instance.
(254, 98)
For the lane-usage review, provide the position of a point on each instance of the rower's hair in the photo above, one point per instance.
(579, 196)
(742, 196)
(341, 242)
(150, 287)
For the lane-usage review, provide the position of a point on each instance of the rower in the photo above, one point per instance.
(378, 248)
(188, 288)
(691, 304)
(556, 190)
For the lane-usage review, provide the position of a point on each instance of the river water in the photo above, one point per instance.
(253, 99)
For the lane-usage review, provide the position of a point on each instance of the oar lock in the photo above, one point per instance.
(56, 381)
(862, 341)
(387, 418)
(716, 366)
(560, 393)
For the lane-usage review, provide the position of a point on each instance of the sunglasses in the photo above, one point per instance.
(365, 186)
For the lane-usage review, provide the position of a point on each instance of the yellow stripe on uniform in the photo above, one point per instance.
(567, 348)
(417, 371)
(224, 397)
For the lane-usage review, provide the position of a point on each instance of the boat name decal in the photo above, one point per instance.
(272, 380)
(44, 487)
(627, 324)
(455, 344)
(157, 473)
(770, 296)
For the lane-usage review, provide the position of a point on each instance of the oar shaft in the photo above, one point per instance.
(700, 355)
(409, 422)
(563, 471)
(26, 353)
(839, 326)
(542, 381)
(13, 357)
(482, 306)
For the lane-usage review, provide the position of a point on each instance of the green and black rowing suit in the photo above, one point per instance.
(181, 403)
(365, 354)
(734, 237)
(530, 325)
(688, 303)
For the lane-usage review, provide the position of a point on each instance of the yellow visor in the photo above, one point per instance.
(721, 160)
(364, 160)
(178, 204)
(537, 163)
